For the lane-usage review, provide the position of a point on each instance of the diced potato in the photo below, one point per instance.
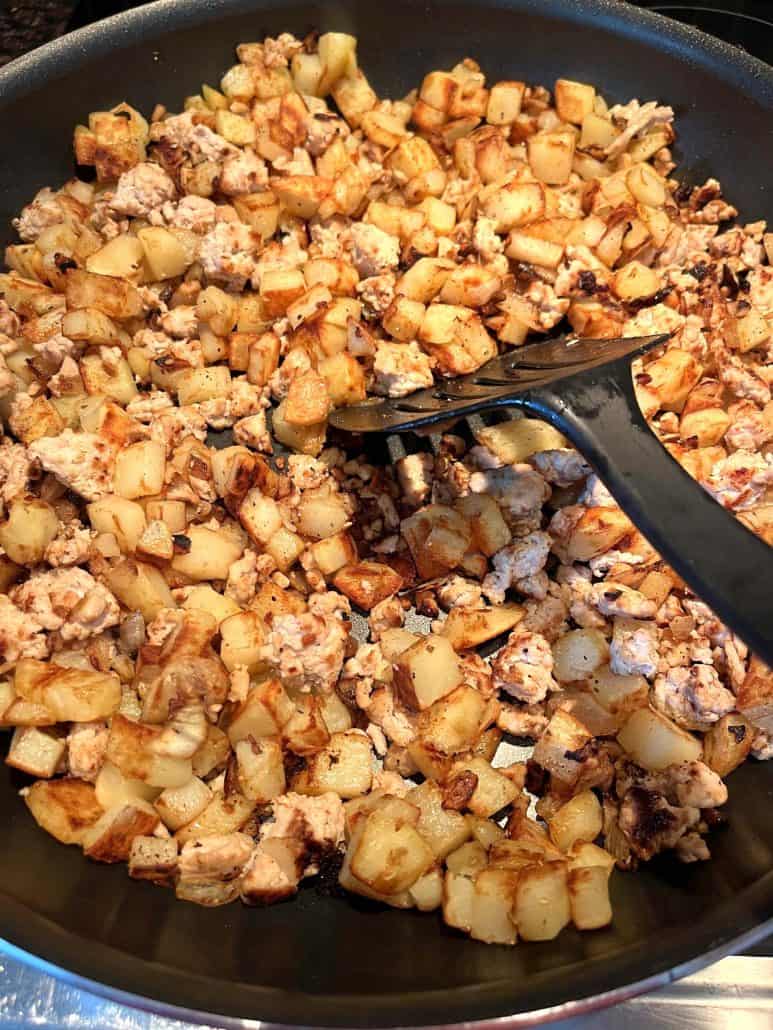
(574, 100)
(727, 744)
(37, 420)
(493, 790)
(110, 838)
(123, 518)
(618, 694)
(305, 732)
(204, 598)
(242, 637)
(367, 583)
(140, 469)
(468, 859)
(154, 859)
(334, 552)
(557, 748)
(29, 529)
(443, 829)
(551, 155)
(210, 555)
(589, 897)
(751, 331)
(542, 906)
(344, 766)
(597, 531)
(517, 203)
(166, 256)
(504, 102)
(112, 787)
(301, 195)
(65, 807)
(213, 753)
(458, 900)
(578, 654)
(139, 586)
(260, 769)
(394, 641)
(195, 385)
(122, 257)
(389, 857)
(490, 532)
(427, 891)
(338, 57)
(427, 671)
(36, 752)
(307, 439)
(179, 805)
(69, 694)
(635, 281)
(455, 722)
(350, 882)
(533, 251)
(222, 815)
(579, 820)
(468, 627)
(438, 538)
(515, 441)
(424, 279)
(113, 296)
(654, 741)
(344, 378)
(132, 747)
(484, 831)
(321, 517)
(491, 919)
(265, 711)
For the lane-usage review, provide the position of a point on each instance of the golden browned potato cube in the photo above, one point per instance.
(574, 100)
(551, 155)
(222, 815)
(111, 836)
(367, 583)
(468, 627)
(154, 859)
(213, 753)
(578, 654)
(589, 897)
(179, 805)
(344, 378)
(279, 288)
(195, 385)
(727, 744)
(260, 769)
(517, 203)
(579, 820)
(424, 279)
(37, 752)
(334, 552)
(39, 419)
(265, 711)
(654, 741)
(751, 331)
(321, 517)
(344, 766)
(542, 907)
(140, 470)
(458, 900)
(307, 402)
(455, 722)
(563, 736)
(301, 195)
(515, 441)
(438, 538)
(115, 297)
(69, 694)
(29, 529)
(242, 637)
(209, 555)
(123, 518)
(492, 792)
(65, 808)
(132, 747)
(618, 694)
(443, 829)
(141, 586)
(597, 531)
(307, 439)
(389, 856)
(427, 671)
(504, 102)
(492, 904)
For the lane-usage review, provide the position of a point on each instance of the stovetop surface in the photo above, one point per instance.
(733, 990)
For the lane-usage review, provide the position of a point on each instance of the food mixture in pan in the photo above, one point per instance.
(178, 666)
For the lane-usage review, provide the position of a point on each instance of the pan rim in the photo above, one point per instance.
(24, 74)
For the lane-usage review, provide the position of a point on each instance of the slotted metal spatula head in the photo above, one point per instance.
(508, 375)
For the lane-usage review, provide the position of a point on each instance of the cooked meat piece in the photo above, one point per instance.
(141, 189)
(650, 824)
(693, 697)
(523, 668)
(400, 368)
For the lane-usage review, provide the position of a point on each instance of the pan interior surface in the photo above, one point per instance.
(322, 960)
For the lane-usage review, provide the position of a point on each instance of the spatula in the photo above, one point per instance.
(584, 388)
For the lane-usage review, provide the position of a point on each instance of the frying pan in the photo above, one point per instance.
(321, 960)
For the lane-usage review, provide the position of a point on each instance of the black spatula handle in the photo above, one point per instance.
(726, 565)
